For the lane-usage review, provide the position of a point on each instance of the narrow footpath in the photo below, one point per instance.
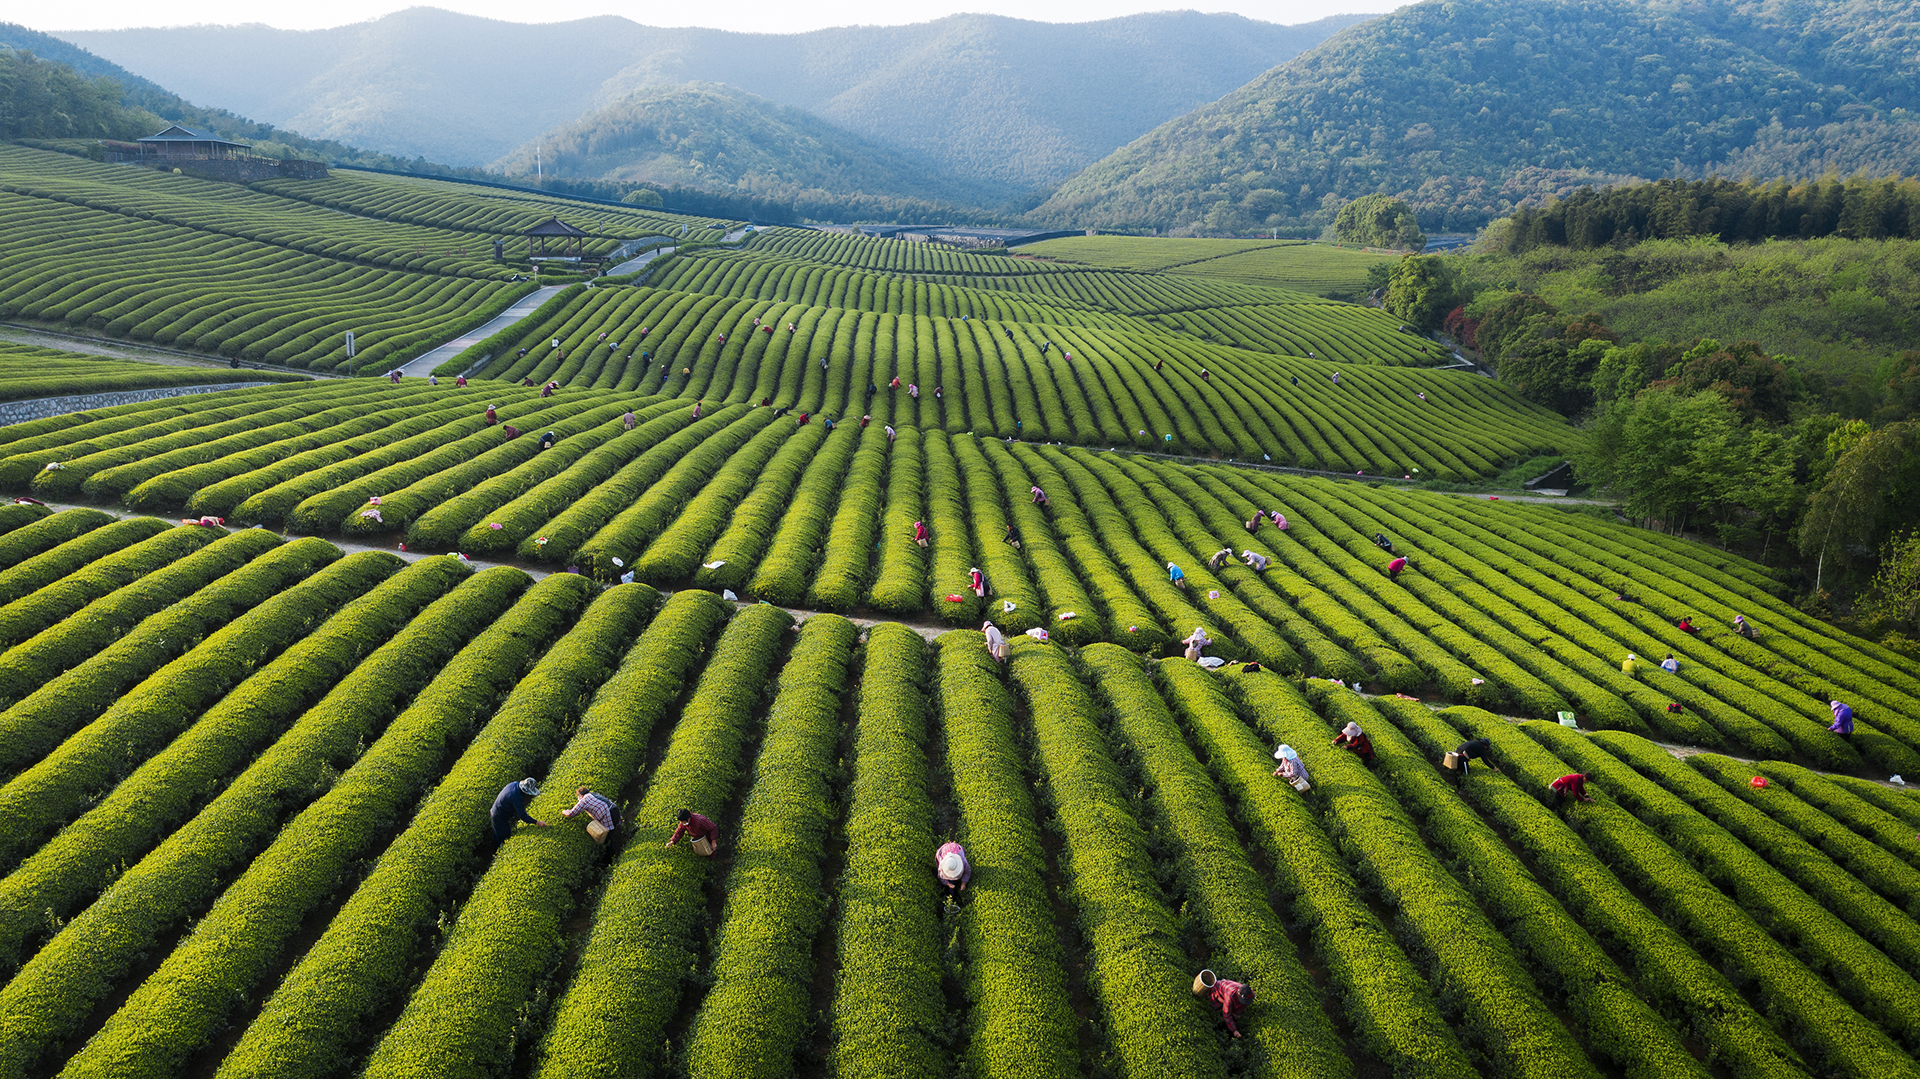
(527, 304)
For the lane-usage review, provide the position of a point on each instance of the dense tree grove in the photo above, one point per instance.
(1731, 211)
(44, 100)
(1379, 221)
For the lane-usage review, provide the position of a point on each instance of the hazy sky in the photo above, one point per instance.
(749, 15)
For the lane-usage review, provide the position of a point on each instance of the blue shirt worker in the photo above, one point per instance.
(510, 807)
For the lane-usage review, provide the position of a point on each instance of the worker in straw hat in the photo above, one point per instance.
(510, 808)
(950, 863)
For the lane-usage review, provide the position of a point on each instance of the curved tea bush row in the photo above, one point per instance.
(794, 546)
(81, 667)
(1021, 1022)
(230, 950)
(460, 1017)
(460, 660)
(1817, 1019)
(998, 382)
(889, 1017)
(612, 1017)
(27, 372)
(1247, 940)
(165, 791)
(1688, 991)
(42, 531)
(1832, 881)
(1389, 1005)
(463, 521)
(335, 1000)
(45, 796)
(630, 531)
(450, 204)
(901, 583)
(1478, 975)
(753, 1017)
(767, 464)
(1474, 973)
(1135, 969)
(1615, 1026)
(1203, 523)
(184, 873)
(242, 298)
(85, 584)
(26, 579)
(571, 507)
(1849, 809)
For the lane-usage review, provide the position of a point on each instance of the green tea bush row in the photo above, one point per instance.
(1476, 973)
(28, 577)
(238, 943)
(993, 473)
(628, 532)
(1117, 490)
(754, 518)
(1810, 1013)
(231, 483)
(1688, 991)
(965, 495)
(460, 1017)
(795, 544)
(42, 533)
(841, 578)
(1110, 586)
(645, 944)
(51, 603)
(420, 483)
(78, 669)
(889, 1017)
(190, 484)
(901, 583)
(1388, 1004)
(1326, 610)
(1020, 1022)
(753, 1018)
(50, 793)
(1839, 884)
(1135, 968)
(465, 521)
(458, 661)
(155, 457)
(1863, 817)
(335, 1000)
(1246, 939)
(772, 458)
(167, 790)
(1618, 1029)
(1185, 503)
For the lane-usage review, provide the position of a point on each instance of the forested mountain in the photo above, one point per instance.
(1465, 108)
(716, 138)
(1017, 104)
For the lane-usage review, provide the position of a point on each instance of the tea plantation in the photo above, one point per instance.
(246, 763)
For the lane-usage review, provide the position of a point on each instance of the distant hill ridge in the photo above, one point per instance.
(707, 135)
(1469, 107)
(1013, 104)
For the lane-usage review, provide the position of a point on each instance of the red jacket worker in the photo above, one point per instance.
(702, 834)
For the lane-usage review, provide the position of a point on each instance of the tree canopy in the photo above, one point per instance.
(1379, 221)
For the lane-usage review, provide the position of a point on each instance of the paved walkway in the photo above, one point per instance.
(640, 262)
(425, 364)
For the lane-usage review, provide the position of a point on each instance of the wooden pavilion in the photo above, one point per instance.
(185, 142)
(570, 242)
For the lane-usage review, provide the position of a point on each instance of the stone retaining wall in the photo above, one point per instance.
(40, 408)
